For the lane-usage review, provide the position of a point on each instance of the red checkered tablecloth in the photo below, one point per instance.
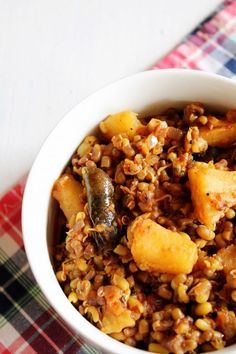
(28, 324)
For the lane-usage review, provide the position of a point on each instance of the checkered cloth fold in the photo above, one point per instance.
(28, 324)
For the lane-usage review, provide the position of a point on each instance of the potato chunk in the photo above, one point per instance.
(222, 134)
(119, 123)
(85, 147)
(212, 191)
(68, 192)
(112, 323)
(228, 258)
(157, 249)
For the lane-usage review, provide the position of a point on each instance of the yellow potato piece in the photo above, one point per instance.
(120, 123)
(85, 147)
(212, 191)
(112, 323)
(68, 192)
(157, 249)
(223, 133)
(228, 258)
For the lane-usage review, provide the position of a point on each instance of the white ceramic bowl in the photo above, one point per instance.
(149, 91)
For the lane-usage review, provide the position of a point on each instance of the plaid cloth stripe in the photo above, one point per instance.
(27, 322)
(210, 47)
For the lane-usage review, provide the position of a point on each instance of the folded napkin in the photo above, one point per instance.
(28, 324)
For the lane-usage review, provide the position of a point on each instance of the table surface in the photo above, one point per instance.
(54, 53)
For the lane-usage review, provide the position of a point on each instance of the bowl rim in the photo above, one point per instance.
(61, 304)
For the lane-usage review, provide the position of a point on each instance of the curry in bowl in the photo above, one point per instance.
(149, 253)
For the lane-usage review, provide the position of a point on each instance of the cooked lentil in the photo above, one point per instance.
(160, 312)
